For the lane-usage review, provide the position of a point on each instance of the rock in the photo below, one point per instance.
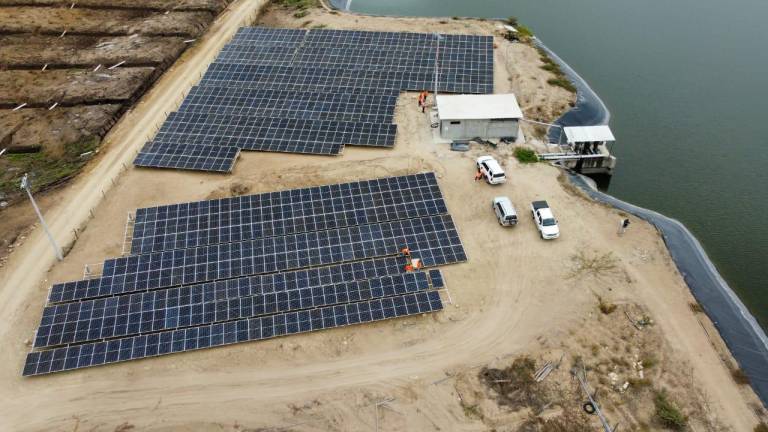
(3, 204)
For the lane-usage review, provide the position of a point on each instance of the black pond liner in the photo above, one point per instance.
(742, 334)
(589, 109)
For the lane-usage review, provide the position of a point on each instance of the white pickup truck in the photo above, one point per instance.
(545, 220)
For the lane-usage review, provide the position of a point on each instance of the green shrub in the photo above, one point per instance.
(524, 32)
(667, 412)
(296, 4)
(562, 82)
(512, 20)
(526, 155)
(762, 427)
(605, 307)
(739, 376)
(301, 14)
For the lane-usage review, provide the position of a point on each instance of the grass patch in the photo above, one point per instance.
(667, 413)
(515, 385)
(44, 170)
(649, 361)
(739, 376)
(549, 65)
(471, 411)
(525, 155)
(639, 382)
(524, 32)
(596, 266)
(319, 26)
(695, 307)
(762, 427)
(301, 13)
(296, 4)
(562, 82)
(571, 420)
(605, 307)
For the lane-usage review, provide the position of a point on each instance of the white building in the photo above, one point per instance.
(485, 116)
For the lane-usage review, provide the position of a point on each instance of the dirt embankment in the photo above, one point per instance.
(163, 5)
(101, 22)
(55, 60)
(33, 51)
(71, 86)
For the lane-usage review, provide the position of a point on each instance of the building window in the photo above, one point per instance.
(500, 120)
(455, 122)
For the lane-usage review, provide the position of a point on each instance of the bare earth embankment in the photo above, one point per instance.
(518, 297)
(72, 69)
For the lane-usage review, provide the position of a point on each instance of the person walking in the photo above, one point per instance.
(478, 175)
(623, 225)
(423, 100)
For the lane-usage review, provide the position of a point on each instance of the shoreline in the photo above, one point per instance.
(742, 334)
(745, 339)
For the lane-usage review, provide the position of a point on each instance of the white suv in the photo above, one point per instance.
(505, 211)
(491, 170)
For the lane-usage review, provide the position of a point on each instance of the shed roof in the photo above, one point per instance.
(576, 134)
(474, 107)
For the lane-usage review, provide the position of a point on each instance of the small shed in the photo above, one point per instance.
(464, 117)
(588, 138)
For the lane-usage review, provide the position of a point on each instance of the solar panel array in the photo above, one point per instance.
(311, 92)
(217, 272)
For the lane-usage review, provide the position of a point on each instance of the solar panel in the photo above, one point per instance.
(433, 239)
(267, 35)
(293, 211)
(317, 75)
(180, 156)
(249, 142)
(340, 106)
(277, 134)
(463, 80)
(242, 330)
(195, 305)
(436, 278)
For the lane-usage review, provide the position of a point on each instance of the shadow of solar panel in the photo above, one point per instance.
(161, 310)
(243, 330)
(293, 211)
(188, 157)
(434, 239)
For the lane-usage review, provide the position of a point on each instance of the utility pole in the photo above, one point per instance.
(56, 248)
(437, 63)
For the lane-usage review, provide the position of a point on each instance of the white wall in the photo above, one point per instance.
(468, 129)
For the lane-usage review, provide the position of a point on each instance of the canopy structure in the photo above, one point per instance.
(581, 134)
(478, 107)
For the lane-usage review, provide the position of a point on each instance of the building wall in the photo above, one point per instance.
(468, 129)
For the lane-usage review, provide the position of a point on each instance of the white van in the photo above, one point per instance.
(491, 170)
(505, 211)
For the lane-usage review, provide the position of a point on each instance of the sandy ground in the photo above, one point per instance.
(516, 295)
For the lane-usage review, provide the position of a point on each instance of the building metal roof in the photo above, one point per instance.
(478, 107)
(576, 134)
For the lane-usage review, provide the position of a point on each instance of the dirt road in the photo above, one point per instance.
(513, 294)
